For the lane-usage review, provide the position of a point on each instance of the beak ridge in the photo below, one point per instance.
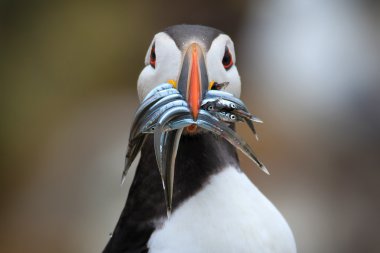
(193, 80)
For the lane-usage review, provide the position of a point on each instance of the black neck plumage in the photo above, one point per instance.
(199, 157)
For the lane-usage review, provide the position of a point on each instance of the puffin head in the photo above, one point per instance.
(194, 59)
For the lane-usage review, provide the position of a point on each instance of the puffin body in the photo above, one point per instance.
(206, 222)
(208, 204)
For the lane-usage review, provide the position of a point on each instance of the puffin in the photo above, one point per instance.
(189, 194)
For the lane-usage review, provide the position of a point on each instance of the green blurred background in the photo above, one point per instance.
(68, 71)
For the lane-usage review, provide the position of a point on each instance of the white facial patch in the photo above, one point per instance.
(168, 62)
(169, 58)
(215, 68)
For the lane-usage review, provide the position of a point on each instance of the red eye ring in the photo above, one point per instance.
(153, 56)
(227, 59)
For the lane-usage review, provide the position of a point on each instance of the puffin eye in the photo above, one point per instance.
(153, 56)
(227, 59)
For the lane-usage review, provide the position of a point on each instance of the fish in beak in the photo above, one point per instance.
(168, 112)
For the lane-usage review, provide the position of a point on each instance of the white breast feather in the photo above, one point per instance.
(229, 215)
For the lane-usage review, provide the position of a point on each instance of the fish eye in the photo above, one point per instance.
(233, 117)
(210, 108)
(233, 106)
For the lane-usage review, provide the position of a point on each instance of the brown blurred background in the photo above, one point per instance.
(68, 71)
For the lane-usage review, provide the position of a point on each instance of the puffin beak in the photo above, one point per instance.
(193, 79)
(192, 85)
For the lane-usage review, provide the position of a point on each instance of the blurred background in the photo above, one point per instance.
(68, 71)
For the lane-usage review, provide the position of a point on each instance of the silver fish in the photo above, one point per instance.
(165, 148)
(210, 123)
(217, 101)
(227, 117)
(164, 86)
